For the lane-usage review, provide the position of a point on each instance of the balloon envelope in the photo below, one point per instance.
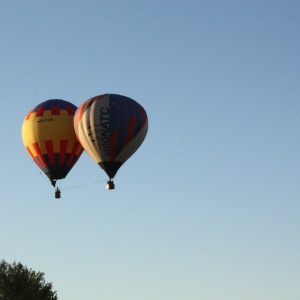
(49, 138)
(110, 128)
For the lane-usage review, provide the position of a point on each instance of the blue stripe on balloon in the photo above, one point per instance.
(62, 104)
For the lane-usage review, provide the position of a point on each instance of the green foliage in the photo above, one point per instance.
(17, 282)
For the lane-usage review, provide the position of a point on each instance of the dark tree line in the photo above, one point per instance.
(17, 282)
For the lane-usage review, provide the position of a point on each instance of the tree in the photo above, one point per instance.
(17, 282)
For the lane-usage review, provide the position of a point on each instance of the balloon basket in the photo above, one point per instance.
(110, 185)
(57, 193)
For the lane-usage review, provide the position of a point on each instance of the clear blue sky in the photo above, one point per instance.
(208, 208)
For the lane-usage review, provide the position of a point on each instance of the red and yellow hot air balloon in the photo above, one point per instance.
(110, 128)
(49, 138)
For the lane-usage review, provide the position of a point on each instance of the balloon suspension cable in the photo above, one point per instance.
(80, 186)
(71, 187)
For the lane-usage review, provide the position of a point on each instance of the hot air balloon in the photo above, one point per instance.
(110, 128)
(49, 138)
